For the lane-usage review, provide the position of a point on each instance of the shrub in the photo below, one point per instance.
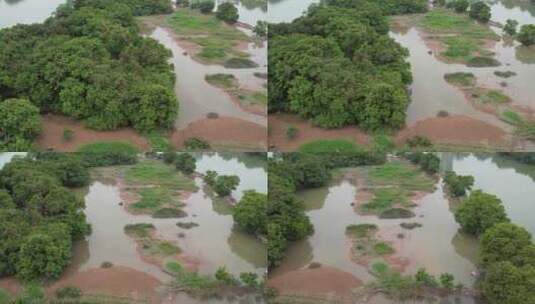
(169, 213)
(480, 11)
(506, 242)
(68, 292)
(425, 279)
(446, 280)
(196, 144)
(20, 124)
(249, 279)
(225, 184)
(185, 163)
(68, 135)
(227, 12)
(396, 213)
(458, 184)
(418, 141)
(169, 157)
(460, 6)
(261, 28)
(222, 275)
(526, 36)
(206, 7)
(250, 213)
(291, 132)
(510, 27)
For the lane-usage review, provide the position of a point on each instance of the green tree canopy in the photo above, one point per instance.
(480, 212)
(250, 213)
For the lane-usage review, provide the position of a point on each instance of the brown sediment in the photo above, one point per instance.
(322, 281)
(279, 123)
(11, 285)
(115, 281)
(224, 132)
(456, 130)
(53, 127)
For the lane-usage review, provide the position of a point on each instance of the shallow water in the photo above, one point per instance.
(196, 96)
(26, 11)
(8, 156)
(287, 10)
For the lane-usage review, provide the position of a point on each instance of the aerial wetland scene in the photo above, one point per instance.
(457, 74)
(128, 228)
(157, 74)
(405, 228)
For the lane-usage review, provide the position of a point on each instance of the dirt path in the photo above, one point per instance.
(53, 127)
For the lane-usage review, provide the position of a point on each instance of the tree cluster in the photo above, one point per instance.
(223, 185)
(227, 12)
(337, 66)
(388, 7)
(458, 184)
(89, 62)
(250, 213)
(39, 216)
(428, 162)
(20, 124)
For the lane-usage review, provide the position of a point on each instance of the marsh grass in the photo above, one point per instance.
(461, 79)
(329, 146)
(512, 117)
(139, 230)
(360, 230)
(151, 172)
(218, 40)
(402, 174)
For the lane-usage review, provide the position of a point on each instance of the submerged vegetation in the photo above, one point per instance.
(89, 62)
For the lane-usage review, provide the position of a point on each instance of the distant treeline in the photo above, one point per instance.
(88, 62)
(337, 65)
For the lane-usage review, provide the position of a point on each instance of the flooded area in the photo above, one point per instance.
(439, 246)
(13, 12)
(196, 96)
(214, 243)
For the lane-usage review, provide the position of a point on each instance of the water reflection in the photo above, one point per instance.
(26, 11)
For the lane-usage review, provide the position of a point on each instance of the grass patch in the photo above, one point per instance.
(504, 74)
(252, 97)
(464, 38)
(239, 63)
(159, 248)
(380, 268)
(396, 213)
(482, 61)
(140, 230)
(512, 117)
(397, 173)
(329, 146)
(218, 40)
(493, 97)
(158, 173)
(188, 281)
(461, 79)
(360, 230)
(109, 147)
(385, 198)
(383, 248)
(226, 81)
(158, 141)
(169, 213)
(152, 198)
(526, 130)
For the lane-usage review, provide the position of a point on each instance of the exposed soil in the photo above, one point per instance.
(457, 130)
(279, 123)
(224, 132)
(322, 281)
(54, 125)
(116, 281)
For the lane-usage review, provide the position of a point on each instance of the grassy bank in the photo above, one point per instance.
(218, 42)
(230, 84)
(463, 38)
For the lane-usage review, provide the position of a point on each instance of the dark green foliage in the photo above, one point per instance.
(458, 184)
(250, 213)
(480, 11)
(526, 36)
(480, 212)
(446, 280)
(460, 6)
(223, 276)
(108, 154)
(505, 283)
(185, 163)
(196, 144)
(210, 177)
(419, 142)
(510, 27)
(507, 242)
(388, 7)
(39, 218)
(20, 124)
(169, 157)
(225, 184)
(249, 279)
(227, 12)
(336, 66)
(428, 162)
(205, 6)
(425, 279)
(68, 292)
(261, 28)
(89, 62)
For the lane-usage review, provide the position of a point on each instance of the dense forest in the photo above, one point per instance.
(290, 172)
(40, 216)
(337, 65)
(88, 62)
